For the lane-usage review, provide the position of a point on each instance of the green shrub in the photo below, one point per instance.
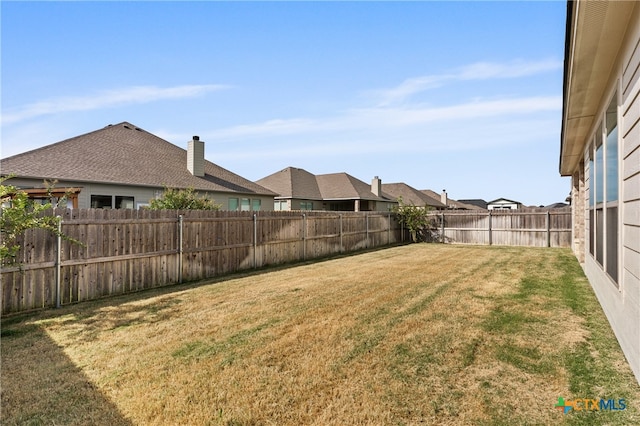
(182, 199)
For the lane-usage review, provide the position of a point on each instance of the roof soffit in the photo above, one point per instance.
(596, 34)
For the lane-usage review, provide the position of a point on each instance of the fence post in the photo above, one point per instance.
(490, 236)
(548, 228)
(58, 263)
(366, 224)
(255, 240)
(442, 235)
(341, 243)
(180, 249)
(304, 236)
(389, 229)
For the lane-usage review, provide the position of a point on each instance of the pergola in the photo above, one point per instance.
(46, 194)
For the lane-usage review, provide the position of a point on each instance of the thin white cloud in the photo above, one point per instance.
(106, 99)
(409, 87)
(382, 119)
(410, 141)
(384, 131)
(476, 71)
(406, 116)
(271, 127)
(487, 70)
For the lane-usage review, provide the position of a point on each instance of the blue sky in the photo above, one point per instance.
(462, 96)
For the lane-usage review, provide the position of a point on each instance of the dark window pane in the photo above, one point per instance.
(124, 202)
(599, 235)
(612, 243)
(592, 231)
(101, 202)
(592, 182)
(599, 174)
(612, 165)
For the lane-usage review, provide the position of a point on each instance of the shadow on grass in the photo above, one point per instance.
(83, 309)
(49, 389)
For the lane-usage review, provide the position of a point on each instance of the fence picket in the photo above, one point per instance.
(127, 251)
(527, 228)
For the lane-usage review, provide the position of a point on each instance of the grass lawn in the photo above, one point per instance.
(418, 334)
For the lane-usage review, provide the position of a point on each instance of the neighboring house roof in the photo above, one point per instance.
(343, 186)
(459, 205)
(503, 201)
(556, 206)
(123, 154)
(299, 183)
(411, 195)
(292, 183)
(451, 203)
(477, 202)
(431, 194)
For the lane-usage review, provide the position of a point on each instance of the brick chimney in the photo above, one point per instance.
(443, 198)
(195, 157)
(376, 186)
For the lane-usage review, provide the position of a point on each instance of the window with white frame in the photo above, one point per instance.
(611, 189)
(604, 192)
(280, 205)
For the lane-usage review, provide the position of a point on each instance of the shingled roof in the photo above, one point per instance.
(343, 186)
(123, 154)
(299, 183)
(453, 204)
(411, 195)
(292, 183)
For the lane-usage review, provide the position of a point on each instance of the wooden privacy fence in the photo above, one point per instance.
(551, 228)
(123, 251)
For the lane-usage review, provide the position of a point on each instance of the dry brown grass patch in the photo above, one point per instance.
(417, 334)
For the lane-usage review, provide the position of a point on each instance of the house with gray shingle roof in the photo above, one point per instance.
(297, 189)
(479, 203)
(124, 166)
(412, 196)
(451, 203)
(504, 204)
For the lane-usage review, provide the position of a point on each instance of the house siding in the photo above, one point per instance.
(326, 205)
(295, 203)
(141, 195)
(631, 193)
(621, 303)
